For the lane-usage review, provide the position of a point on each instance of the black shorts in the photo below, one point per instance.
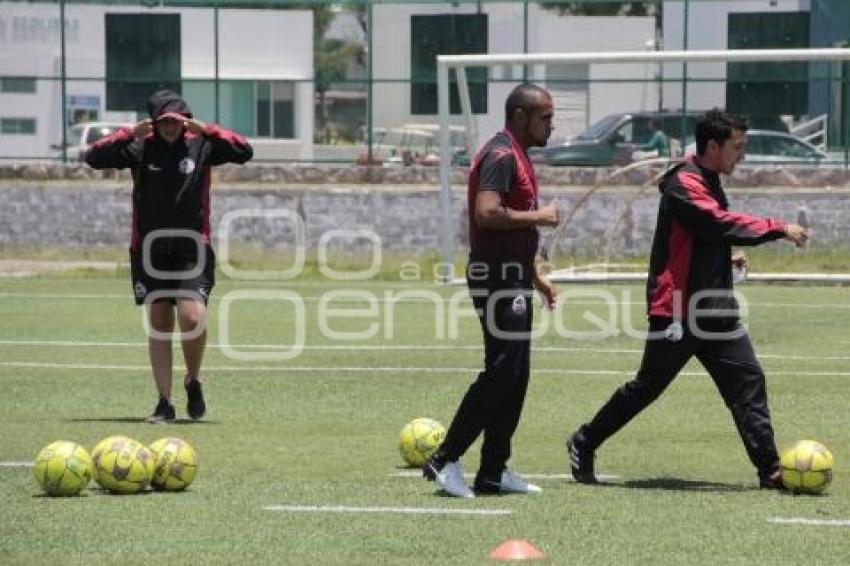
(152, 287)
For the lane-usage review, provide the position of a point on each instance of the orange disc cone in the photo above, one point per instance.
(517, 549)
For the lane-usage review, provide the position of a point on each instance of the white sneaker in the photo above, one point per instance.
(450, 478)
(512, 482)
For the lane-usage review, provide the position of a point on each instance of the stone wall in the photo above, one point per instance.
(405, 218)
(258, 174)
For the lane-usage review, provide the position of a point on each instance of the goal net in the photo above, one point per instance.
(628, 210)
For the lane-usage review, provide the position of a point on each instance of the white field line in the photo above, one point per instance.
(809, 522)
(390, 510)
(369, 369)
(327, 369)
(16, 464)
(532, 476)
(379, 347)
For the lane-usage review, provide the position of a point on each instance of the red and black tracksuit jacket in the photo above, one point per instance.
(171, 182)
(692, 248)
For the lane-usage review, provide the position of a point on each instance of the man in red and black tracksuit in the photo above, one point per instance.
(503, 220)
(691, 307)
(171, 260)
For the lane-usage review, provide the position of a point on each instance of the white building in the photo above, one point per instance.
(265, 69)
(406, 37)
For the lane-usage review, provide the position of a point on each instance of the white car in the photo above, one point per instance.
(81, 136)
(765, 147)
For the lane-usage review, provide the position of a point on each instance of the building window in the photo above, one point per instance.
(17, 84)
(765, 91)
(275, 109)
(568, 85)
(446, 34)
(142, 56)
(19, 126)
(251, 108)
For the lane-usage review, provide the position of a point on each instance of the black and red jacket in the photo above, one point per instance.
(692, 248)
(171, 182)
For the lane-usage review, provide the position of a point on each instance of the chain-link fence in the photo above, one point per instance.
(355, 82)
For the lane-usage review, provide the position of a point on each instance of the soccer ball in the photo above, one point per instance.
(806, 467)
(105, 444)
(175, 464)
(62, 468)
(419, 439)
(122, 465)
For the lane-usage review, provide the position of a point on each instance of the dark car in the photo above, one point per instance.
(613, 139)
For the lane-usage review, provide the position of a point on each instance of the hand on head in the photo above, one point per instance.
(143, 128)
(194, 126)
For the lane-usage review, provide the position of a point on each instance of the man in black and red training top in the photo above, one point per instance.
(692, 310)
(171, 261)
(503, 220)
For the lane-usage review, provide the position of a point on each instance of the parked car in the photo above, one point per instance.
(771, 146)
(613, 139)
(413, 144)
(81, 136)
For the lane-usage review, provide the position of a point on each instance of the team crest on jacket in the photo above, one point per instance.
(186, 165)
(518, 305)
(140, 290)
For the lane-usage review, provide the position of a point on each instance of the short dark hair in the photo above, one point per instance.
(717, 125)
(524, 97)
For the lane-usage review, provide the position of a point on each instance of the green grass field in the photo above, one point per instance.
(321, 429)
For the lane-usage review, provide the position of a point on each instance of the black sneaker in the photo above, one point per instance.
(771, 479)
(581, 458)
(195, 405)
(163, 413)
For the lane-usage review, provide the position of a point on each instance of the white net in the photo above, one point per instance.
(621, 219)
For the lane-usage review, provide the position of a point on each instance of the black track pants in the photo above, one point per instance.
(493, 403)
(733, 366)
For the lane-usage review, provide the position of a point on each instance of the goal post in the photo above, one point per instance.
(460, 63)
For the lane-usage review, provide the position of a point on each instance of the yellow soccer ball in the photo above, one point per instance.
(807, 467)
(62, 468)
(105, 444)
(419, 439)
(175, 464)
(122, 465)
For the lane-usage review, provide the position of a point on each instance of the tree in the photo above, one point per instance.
(330, 57)
(602, 8)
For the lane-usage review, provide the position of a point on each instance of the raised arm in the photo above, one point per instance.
(118, 151)
(692, 203)
(227, 146)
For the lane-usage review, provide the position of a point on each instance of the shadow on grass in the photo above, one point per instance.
(133, 420)
(95, 491)
(678, 484)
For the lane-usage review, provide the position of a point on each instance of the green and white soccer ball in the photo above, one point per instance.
(175, 464)
(806, 467)
(122, 465)
(62, 468)
(419, 439)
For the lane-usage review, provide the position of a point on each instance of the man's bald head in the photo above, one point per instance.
(524, 97)
(528, 115)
